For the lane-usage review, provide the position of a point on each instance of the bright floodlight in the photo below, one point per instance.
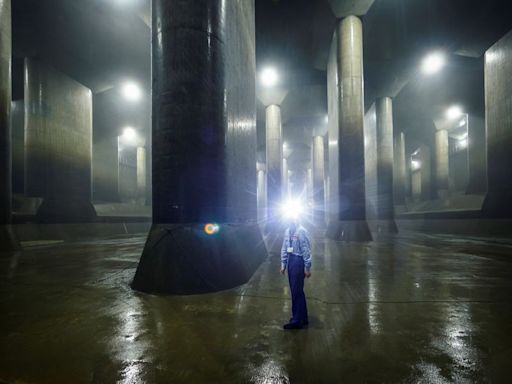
(129, 134)
(268, 77)
(432, 63)
(415, 164)
(463, 143)
(292, 209)
(454, 112)
(131, 91)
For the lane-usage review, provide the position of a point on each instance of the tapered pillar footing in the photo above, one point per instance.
(182, 259)
(53, 210)
(497, 204)
(8, 240)
(386, 227)
(349, 230)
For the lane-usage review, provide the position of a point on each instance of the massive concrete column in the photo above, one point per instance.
(352, 225)
(400, 169)
(385, 200)
(425, 173)
(498, 107)
(309, 191)
(106, 169)
(7, 239)
(274, 160)
(141, 175)
(477, 157)
(58, 144)
(204, 149)
(442, 162)
(318, 180)
(261, 194)
(285, 180)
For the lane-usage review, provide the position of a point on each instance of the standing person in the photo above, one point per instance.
(296, 256)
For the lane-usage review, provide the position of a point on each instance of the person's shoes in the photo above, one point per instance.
(293, 326)
(304, 323)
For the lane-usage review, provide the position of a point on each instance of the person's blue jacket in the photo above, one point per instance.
(301, 246)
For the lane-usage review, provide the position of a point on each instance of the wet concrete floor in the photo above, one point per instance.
(409, 309)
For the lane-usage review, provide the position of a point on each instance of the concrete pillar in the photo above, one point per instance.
(141, 175)
(274, 160)
(261, 194)
(204, 149)
(400, 178)
(498, 106)
(58, 144)
(106, 169)
(352, 225)
(7, 238)
(385, 198)
(425, 173)
(285, 180)
(442, 162)
(309, 191)
(318, 180)
(477, 157)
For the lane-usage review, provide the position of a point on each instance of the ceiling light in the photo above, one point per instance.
(268, 77)
(433, 63)
(131, 91)
(129, 135)
(454, 112)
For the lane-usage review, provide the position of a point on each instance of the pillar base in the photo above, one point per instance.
(349, 230)
(498, 204)
(61, 210)
(8, 240)
(386, 226)
(182, 259)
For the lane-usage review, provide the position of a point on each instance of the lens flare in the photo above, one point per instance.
(211, 228)
(292, 209)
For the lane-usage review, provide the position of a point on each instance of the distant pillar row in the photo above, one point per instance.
(318, 180)
(352, 225)
(442, 162)
(385, 200)
(7, 240)
(274, 159)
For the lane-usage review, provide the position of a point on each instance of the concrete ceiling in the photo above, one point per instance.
(99, 43)
(343, 8)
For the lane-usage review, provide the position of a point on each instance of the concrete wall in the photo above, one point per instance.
(498, 110)
(370, 162)
(106, 170)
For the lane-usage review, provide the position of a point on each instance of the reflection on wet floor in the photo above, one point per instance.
(413, 308)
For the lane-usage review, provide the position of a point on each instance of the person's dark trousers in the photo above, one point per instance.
(296, 279)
